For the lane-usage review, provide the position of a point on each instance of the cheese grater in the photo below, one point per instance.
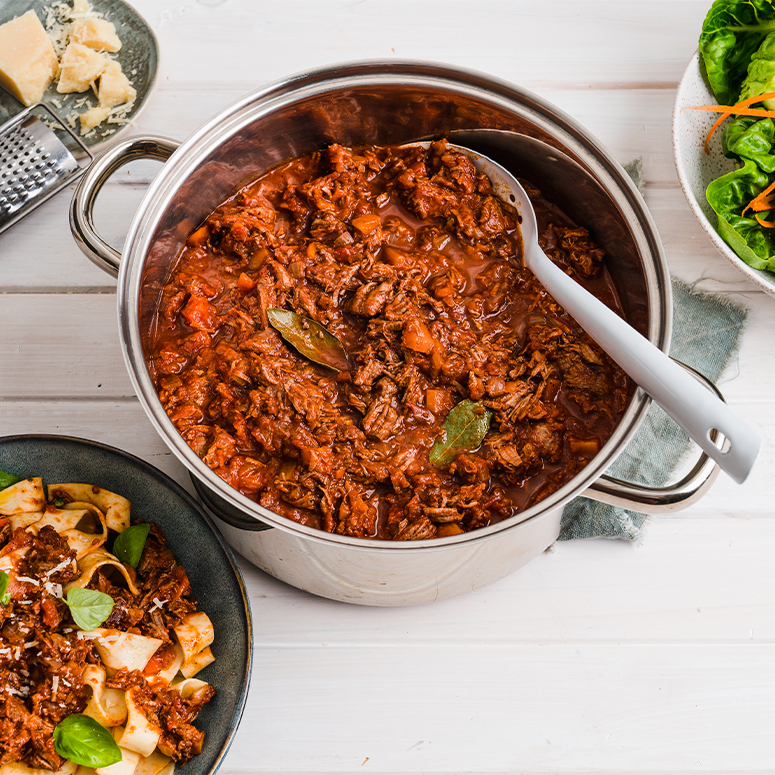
(34, 162)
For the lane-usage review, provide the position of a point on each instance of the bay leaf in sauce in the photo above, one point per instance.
(464, 429)
(309, 338)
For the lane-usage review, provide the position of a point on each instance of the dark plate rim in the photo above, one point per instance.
(172, 485)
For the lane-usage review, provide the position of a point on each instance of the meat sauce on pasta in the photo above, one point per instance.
(134, 673)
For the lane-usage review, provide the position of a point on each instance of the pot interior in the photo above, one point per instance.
(389, 103)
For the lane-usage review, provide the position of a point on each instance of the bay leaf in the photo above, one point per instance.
(464, 429)
(309, 338)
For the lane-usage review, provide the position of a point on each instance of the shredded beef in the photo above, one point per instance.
(408, 257)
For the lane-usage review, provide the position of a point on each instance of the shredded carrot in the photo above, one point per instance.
(719, 121)
(740, 109)
(761, 201)
(733, 109)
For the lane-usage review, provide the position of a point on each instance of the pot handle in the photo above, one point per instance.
(92, 245)
(667, 499)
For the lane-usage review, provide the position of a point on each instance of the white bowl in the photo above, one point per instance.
(696, 169)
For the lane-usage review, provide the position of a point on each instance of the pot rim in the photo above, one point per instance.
(500, 93)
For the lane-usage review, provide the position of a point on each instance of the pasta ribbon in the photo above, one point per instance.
(168, 674)
(84, 529)
(129, 758)
(115, 507)
(25, 519)
(195, 633)
(140, 734)
(119, 649)
(197, 662)
(23, 496)
(19, 768)
(91, 563)
(188, 687)
(9, 561)
(106, 706)
(155, 764)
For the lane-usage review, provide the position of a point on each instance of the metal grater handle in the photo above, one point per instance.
(92, 245)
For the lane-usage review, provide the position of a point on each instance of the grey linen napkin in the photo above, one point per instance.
(707, 329)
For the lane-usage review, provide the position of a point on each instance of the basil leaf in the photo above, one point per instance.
(309, 338)
(463, 429)
(84, 741)
(129, 544)
(88, 607)
(5, 595)
(6, 479)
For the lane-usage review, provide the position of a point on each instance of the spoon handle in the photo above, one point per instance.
(695, 409)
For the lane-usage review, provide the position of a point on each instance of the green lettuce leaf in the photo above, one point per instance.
(761, 72)
(728, 195)
(732, 32)
(750, 138)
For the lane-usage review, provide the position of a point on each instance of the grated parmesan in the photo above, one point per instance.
(62, 565)
(54, 589)
(156, 604)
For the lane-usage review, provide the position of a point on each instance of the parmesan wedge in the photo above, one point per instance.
(115, 88)
(81, 66)
(99, 34)
(28, 63)
(92, 118)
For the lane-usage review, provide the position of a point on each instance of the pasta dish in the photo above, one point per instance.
(100, 638)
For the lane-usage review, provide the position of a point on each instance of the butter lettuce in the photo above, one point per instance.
(732, 32)
(760, 78)
(728, 195)
(750, 138)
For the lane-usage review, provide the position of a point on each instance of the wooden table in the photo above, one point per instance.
(599, 656)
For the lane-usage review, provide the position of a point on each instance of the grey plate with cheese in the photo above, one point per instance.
(138, 58)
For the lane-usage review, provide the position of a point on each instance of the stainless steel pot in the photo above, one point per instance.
(385, 103)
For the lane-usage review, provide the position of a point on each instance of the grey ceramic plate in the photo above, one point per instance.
(139, 58)
(215, 579)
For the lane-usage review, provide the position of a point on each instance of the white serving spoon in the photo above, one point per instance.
(693, 407)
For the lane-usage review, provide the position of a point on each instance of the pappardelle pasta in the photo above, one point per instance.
(100, 638)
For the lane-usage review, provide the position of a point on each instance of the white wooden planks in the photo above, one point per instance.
(598, 657)
(560, 707)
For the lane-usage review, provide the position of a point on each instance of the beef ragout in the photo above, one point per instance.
(353, 342)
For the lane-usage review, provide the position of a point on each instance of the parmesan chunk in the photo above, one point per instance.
(99, 34)
(81, 66)
(115, 88)
(28, 63)
(92, 117)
